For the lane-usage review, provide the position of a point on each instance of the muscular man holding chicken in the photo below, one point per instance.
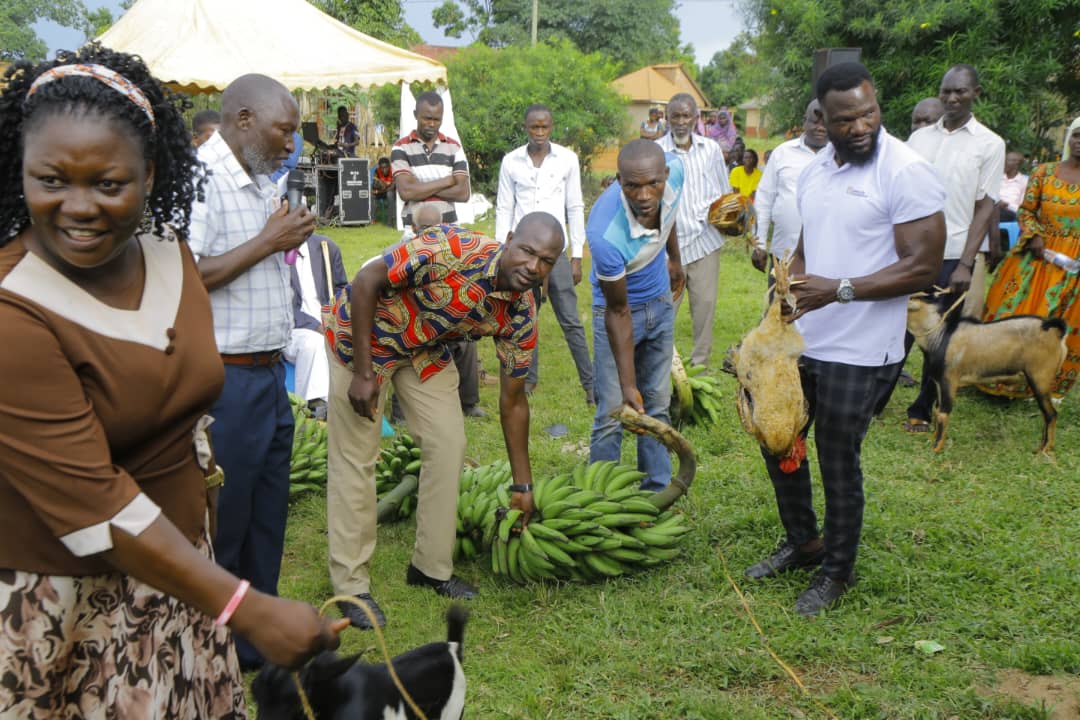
(873, 232)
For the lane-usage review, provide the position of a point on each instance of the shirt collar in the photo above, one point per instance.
(971, 125)
(695, 141)
(228, 160)
(491, 274)
(439, 138)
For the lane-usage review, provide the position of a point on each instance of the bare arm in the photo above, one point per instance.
(514, 416)
(283, 231)
(285, 632)
(620, 332)
(960, 280)
(920, 245)
(452, 188)
(676, 274)
(370, 282)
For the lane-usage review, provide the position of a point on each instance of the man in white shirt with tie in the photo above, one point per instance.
(699, 242)
(545, 176)
(775, 201)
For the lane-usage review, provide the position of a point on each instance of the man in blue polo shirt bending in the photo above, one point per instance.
(636, 270)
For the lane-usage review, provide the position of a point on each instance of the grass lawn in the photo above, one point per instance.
(976, 548)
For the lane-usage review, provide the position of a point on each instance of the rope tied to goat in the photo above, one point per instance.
(306, 703)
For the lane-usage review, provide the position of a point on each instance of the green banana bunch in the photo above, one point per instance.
(400, 458)
(589, 524)
(307, 466)
(696, 397)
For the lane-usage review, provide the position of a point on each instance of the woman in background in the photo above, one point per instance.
(745, 177)
(1026, 283)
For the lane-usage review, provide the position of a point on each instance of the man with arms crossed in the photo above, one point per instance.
(873, 232)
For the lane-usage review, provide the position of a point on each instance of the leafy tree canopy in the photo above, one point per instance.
(1027, 53)
(736, 74)
(632, 33)
(381, 19)
(18, 41)
(497, 85)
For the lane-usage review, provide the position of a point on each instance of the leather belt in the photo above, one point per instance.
(258, 359)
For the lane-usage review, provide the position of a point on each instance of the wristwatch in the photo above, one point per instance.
(846, 292)
(520, 488)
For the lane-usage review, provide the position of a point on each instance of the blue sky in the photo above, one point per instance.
(710, 25)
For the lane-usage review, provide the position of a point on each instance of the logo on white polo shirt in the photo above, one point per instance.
(856, 192)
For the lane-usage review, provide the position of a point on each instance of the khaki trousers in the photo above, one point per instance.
(433, 414)
(702, 280)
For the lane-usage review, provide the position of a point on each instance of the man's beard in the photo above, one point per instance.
(680, 139)
(849, 156)
(257, 161)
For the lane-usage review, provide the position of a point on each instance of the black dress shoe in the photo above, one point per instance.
(787, 557)
(455, 587)
(473, 411)
(823, 593)
(358, 617)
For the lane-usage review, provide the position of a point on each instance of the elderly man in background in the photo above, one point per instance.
(776, 193)
(542, 175)
(239, 236)
(636, 270)
(926, 112)
(699, 242)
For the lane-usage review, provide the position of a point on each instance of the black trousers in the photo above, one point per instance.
(842, 399)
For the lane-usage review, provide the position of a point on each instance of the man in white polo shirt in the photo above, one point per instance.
(775, 199)
(971, 161)
(545, 176)
(873, 232)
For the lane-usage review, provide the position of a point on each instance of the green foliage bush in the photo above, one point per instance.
(492, 88)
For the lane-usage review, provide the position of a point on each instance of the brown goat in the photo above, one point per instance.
(962, 351)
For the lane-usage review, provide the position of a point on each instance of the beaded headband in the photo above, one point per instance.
(102, 74)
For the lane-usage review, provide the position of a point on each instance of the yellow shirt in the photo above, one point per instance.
(745, 184)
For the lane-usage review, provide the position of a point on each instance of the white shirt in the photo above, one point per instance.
(706, 180)
(848, 217)
(971, 162)
(1013, 189)
(309, 296)
(253, 313)
(775, 198)
(554, 187)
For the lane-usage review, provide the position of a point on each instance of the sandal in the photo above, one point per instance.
(915, 426)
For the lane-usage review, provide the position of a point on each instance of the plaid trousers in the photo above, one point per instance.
(842, 399)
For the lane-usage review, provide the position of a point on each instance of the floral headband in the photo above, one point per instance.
(102, 74)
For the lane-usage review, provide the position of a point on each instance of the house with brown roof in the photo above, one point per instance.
(653, 86)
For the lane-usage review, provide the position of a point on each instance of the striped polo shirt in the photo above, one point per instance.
(445, 158)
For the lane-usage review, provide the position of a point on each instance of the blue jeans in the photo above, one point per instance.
(654, 338)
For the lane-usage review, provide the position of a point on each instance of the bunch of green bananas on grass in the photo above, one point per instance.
(482, 492)
(395, 461)
(589, 524)
(307, 467)
(696, 399)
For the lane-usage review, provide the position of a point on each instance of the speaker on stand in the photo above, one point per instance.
(354, 191)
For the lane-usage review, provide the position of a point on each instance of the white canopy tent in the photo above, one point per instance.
(203, 45)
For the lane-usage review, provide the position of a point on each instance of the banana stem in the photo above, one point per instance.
(683, 392)
(673, 441)
(386, 509)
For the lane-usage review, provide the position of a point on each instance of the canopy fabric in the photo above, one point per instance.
(203, 45)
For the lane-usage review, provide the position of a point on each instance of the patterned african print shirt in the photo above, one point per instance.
(442, 288)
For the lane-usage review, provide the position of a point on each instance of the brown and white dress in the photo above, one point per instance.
(98, 407)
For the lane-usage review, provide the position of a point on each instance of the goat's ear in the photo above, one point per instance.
(340, 665)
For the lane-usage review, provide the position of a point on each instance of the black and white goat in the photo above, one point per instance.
(963, 351)
(341, 688)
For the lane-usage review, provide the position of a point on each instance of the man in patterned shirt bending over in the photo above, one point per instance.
(445, 284)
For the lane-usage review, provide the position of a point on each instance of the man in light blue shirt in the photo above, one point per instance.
(636, 270)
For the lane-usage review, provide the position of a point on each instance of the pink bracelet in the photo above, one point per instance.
(234, 602)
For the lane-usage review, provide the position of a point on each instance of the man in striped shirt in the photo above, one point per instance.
(699, 242)
(429, 166)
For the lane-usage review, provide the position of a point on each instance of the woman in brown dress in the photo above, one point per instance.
(108, 589)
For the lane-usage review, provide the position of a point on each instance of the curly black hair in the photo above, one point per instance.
(178, 174)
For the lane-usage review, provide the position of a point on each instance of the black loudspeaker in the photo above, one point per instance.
(354, 191)
(828, 57)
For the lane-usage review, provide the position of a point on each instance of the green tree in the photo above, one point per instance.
(632, 33)
(736, 74)
(1027, 53)
(499, 84)
(97, 21)
(381, 19)
(18, 41)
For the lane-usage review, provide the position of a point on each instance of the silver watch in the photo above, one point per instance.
(846, 292)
